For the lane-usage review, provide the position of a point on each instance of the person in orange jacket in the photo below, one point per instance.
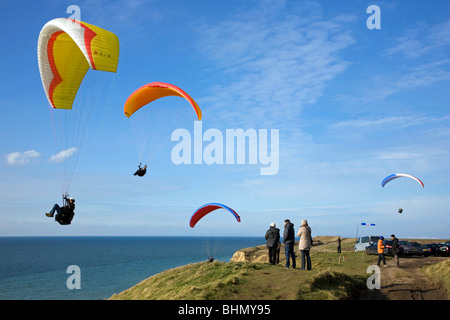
(380, 247)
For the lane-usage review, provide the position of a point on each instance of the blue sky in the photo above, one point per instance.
(352, 106)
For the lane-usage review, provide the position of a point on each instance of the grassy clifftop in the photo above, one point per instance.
(248, 276)
(244, 280)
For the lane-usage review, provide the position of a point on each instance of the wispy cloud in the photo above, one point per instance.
(118, 14)
(63, 155)
(419, 76)
(402, 79)
(269, 63)
(21, 158)
(422, 39)
(394, 122)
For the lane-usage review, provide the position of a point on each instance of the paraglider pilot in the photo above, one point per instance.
(141, 171)
(400, 210)
(65, 214)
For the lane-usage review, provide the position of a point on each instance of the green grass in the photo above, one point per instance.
(194, 281)
(440, 272)
(249, 277)
(332, 286)
(328, 280)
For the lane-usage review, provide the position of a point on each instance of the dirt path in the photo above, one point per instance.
(408, 282)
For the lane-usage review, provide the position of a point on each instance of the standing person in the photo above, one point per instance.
(272, 239)
(380, 247)
(305, 244)
(289, 240)
(339, 244)
(395, 250)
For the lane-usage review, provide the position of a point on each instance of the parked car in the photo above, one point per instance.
(362, 242)
(443, 249)
(408, 248)
(430, 249)
(426, 250)
(417, 246)
(373, 248)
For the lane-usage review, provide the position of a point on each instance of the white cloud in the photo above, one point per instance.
(408, 78)
(421, 40)
(389, 121)
(63, 155)
(118, 14)
(269, 63)
(21, 158)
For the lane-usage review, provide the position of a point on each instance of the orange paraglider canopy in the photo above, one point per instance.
(153, 91)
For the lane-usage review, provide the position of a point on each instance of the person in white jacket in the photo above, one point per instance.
(305, 244)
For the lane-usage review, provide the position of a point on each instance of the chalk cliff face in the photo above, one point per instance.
(238, 256)
(254, 254)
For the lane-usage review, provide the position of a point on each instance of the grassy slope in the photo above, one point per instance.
(329, 279)
(440, 272)
(333, 277)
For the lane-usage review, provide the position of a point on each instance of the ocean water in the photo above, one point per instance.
(37, 267)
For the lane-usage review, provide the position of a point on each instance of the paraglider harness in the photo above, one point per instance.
(141, 171)
(65, 215)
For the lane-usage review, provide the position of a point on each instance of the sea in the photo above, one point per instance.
(95, 268)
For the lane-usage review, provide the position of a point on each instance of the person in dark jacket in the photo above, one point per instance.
(289, 240)
(272, 239)
(141, 171)
(65, 213)
(339, 244)
(395, 250)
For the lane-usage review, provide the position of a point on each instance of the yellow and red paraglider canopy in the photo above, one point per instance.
(66, 50)
(153, 91)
